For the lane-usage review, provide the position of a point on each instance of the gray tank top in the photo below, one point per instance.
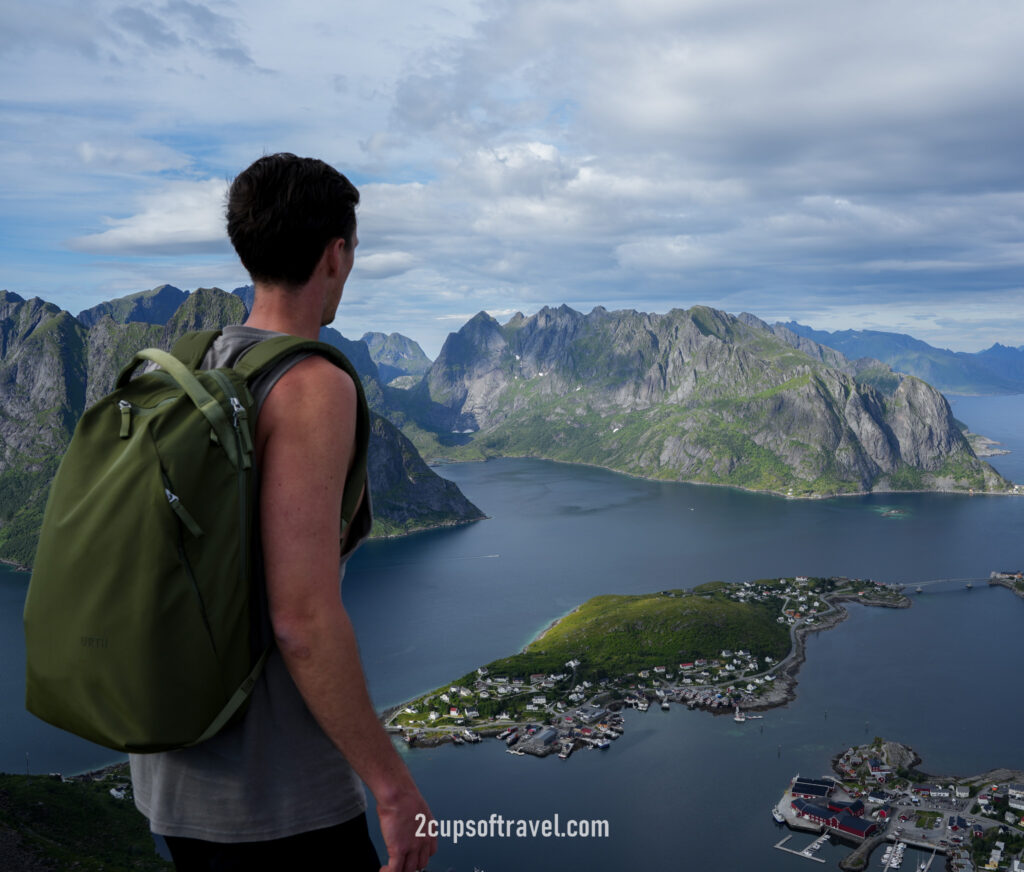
(273, 773)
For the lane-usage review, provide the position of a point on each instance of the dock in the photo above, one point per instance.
(807, 852)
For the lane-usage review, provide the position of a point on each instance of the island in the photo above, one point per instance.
(879, 797)
(728, 648)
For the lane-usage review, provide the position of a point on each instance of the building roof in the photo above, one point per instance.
(855, 825)
(811, 787)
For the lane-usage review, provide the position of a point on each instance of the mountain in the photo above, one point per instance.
(997, 370)
(695, 395)
(396, 355)
(52, 367)
(150, 307)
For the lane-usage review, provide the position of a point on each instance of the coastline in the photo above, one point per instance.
(717, 696)
(437, 525)
(1010, 492)
(550, 627)
(14, 566)
(1005, 582)
(788, 670)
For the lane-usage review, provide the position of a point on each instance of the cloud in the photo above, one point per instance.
(182, 218)
(385, 264)
(147, 27)
(129, 155)
(788, 157)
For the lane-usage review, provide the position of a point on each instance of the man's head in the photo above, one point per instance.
(283, 210)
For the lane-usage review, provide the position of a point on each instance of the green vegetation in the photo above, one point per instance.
(612, 635)
(907, 478)
(78, 824)
(881, 378)
(926, 819)
(981, 849)
(911, 775)
(963, 472)
(23, 492)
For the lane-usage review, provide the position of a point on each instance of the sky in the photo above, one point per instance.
(850, 165)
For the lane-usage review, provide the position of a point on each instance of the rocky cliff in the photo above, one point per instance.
(52, 366)
(695, 395)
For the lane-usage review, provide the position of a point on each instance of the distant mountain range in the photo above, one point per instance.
(996, 370)
(692, 395)
(54, 365)
(695, 395)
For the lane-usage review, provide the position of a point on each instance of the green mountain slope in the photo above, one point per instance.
(695, 395)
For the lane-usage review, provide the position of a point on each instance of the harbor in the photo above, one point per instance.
(878, 799)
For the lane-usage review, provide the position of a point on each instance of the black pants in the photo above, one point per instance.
(341, 848)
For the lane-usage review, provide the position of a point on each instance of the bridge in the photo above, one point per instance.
(919, 586)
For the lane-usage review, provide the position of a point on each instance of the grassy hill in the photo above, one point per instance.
(615, 634)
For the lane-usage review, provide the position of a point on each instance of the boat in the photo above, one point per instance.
(739, 717)
(665, 706)
(777, 815)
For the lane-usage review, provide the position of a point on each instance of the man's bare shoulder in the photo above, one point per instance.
(316, 382)
(312, 392)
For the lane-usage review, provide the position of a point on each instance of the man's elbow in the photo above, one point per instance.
(300, 632)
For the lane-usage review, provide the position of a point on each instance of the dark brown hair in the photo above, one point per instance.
(283, 210)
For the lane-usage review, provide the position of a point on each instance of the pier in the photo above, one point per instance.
(808, 852)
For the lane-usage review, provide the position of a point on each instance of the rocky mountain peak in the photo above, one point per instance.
(698, 395)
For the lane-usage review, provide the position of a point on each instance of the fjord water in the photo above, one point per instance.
(682, 789)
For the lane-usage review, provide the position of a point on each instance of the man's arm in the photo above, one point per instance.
(305, 443)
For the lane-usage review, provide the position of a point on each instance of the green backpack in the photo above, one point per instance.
(143, 612)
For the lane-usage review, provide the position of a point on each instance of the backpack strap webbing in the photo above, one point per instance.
(238, 699)
(191, 348)
(264, 355)
(204, 401)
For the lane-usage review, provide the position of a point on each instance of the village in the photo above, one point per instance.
(562, 712)
(878, 798)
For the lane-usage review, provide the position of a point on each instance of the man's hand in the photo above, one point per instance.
(400, 821)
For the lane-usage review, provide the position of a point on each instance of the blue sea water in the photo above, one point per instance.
(682, 789)
(999, 418)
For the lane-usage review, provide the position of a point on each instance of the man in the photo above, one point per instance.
(277, 786)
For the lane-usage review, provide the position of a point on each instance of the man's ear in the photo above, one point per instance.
(332, 256)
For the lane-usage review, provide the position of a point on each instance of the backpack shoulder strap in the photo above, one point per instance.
(263, 355)
(191, 348)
